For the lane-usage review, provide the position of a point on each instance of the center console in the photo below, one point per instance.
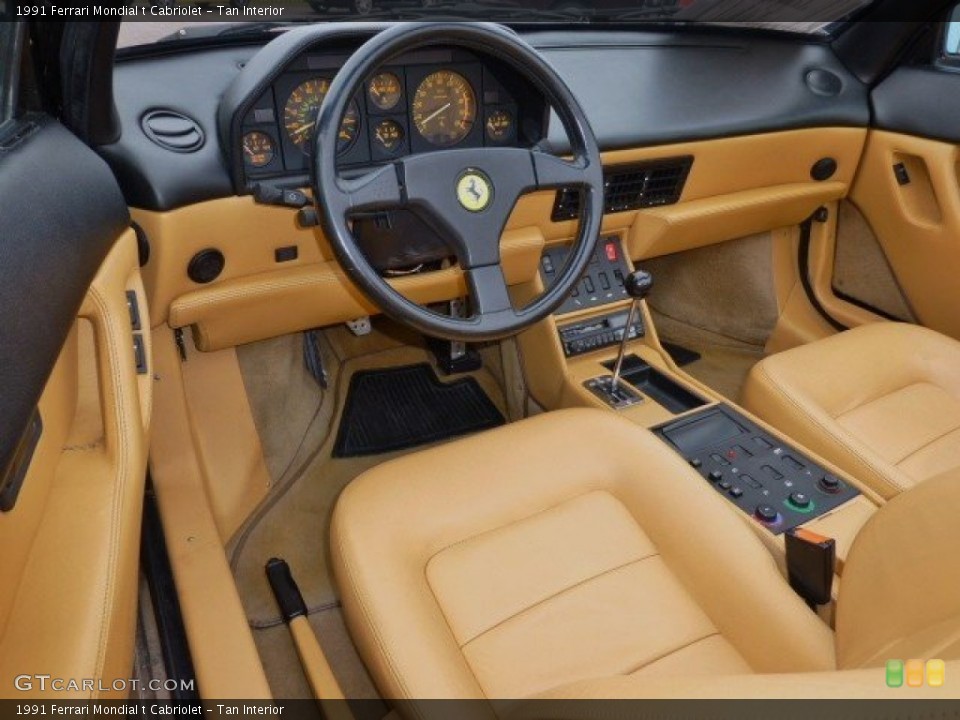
(601, 284)
(774, 483)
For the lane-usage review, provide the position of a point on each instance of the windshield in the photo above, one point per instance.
(172, 20)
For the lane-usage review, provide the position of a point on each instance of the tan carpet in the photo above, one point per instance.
(294, 524)
(719, 301)
(861, 270)
(727, 289)
(724, 363)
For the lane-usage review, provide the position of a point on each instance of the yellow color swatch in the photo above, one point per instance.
(936, 669)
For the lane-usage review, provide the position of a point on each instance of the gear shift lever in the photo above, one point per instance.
(638, 285)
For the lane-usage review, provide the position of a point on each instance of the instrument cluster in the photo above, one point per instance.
(431, 100)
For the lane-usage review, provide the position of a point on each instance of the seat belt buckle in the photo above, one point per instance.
(811, 563)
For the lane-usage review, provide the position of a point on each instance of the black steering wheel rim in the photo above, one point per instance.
(427, 181)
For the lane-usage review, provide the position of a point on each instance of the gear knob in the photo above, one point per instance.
(638, 284)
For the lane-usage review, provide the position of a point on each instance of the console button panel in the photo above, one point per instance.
(773, 482)
(602, 281)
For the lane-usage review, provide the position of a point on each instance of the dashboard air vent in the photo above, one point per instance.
(172, 131)
(633, 187)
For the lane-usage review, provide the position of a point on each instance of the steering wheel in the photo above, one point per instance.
(466, 195)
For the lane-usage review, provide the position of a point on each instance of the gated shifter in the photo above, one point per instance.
(638, 285)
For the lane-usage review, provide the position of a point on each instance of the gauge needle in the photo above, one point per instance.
(432, 115)
(303, 128)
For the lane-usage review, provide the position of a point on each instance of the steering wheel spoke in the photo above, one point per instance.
(489, 290)
(375, 190)
(554, 172)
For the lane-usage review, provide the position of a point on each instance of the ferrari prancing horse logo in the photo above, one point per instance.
(474, 190)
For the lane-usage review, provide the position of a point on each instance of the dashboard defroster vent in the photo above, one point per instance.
(172, 131)
(632, 187)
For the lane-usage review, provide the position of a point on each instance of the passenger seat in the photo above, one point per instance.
(881, 401)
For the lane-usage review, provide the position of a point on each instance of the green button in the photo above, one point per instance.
(894, 673)
(806, 510)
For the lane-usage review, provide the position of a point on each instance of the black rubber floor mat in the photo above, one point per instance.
(681, 355)
(399, 408)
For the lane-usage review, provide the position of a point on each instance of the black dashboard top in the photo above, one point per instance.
(637, 88)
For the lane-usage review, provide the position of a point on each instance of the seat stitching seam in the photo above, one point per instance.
(878, 398)
(668, 653)
(927, 445)
(557, 594)
(772, 385)
(498, 528)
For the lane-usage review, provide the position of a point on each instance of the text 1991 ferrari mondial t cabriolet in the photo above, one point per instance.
(593, 353)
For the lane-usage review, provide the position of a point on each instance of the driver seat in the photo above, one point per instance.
(561, 554)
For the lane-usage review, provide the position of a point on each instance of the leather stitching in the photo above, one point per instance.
(544, 601)
(120, 485)
(674, 651)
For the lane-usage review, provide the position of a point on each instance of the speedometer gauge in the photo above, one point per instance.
(300, 115)
(444, 108)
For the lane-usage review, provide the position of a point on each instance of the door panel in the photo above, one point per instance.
(69, 526)
(916, 218)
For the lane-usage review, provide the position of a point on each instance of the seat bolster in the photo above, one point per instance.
(900, 596)
(390, 523)
(771, 394)
(807, 392)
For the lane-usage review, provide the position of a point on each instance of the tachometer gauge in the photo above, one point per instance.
(385, 90)
(444, 108)
(388, 134)
(300, 115)
(499, 125)
(258, 149)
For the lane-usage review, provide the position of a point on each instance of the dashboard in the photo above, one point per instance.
(433, 99)
(639, 88)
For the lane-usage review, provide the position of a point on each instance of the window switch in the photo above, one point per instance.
(140, 354)
(134, 308)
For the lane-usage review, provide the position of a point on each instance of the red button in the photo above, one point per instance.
(612, 252)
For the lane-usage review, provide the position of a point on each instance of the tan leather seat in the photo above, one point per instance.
(881, 401)
(575, 555)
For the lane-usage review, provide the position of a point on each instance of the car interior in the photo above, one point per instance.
(398, 361)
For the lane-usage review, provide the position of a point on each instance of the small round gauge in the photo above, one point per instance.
(258, 150)
(499, 125)
(444, 108)
(300, 115)
(385, 90)
(388, 134)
